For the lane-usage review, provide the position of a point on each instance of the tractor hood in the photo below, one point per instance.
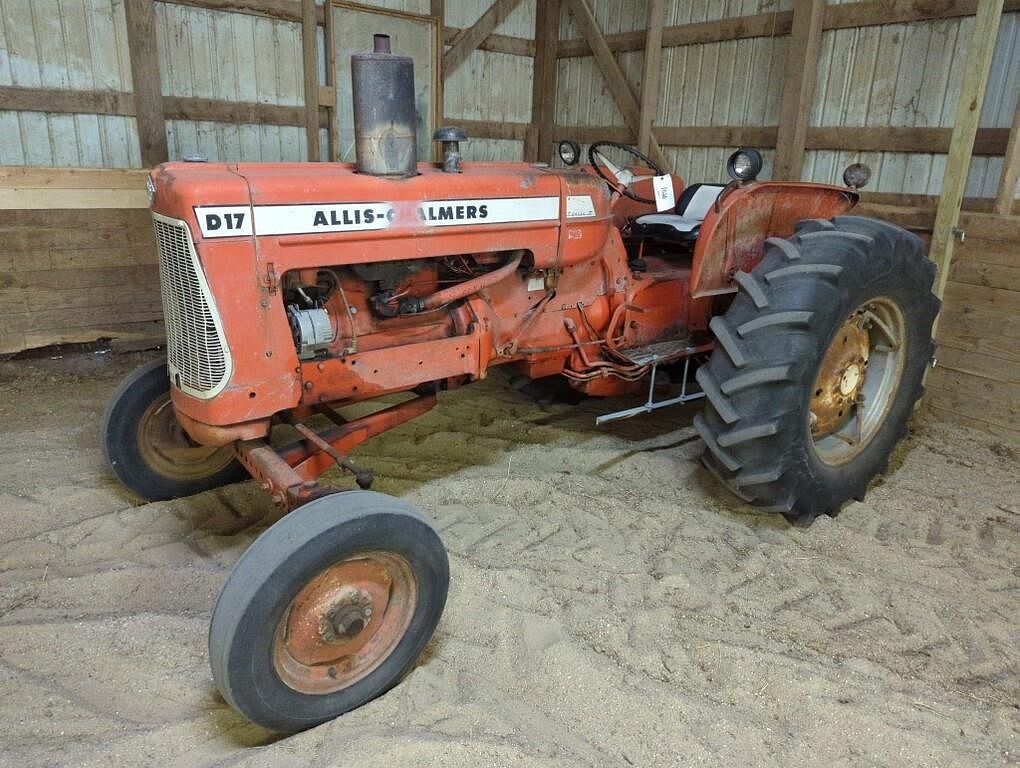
(220, 200)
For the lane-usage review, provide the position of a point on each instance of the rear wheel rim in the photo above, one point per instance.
(858, 380)
(166, 448)
(345, 622)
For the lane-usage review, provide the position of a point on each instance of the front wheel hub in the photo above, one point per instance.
(344, 622)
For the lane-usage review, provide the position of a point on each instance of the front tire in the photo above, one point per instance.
(328, 609)
(148, 450)
(818, 364)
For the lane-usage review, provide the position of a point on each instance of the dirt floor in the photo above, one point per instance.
(610, 604)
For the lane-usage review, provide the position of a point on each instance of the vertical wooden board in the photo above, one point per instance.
(11, 151)
(245, 50)
(77, 51)
(48, 30)
(20, 37)
(100, 30)
(35, 138)
(251, 147)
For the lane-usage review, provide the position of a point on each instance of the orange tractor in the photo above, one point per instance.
(293, 290)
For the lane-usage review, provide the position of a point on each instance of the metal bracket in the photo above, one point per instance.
(650, 405)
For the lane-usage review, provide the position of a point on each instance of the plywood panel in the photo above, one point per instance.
(76, 275)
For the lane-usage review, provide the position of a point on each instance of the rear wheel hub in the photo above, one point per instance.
(857, 380)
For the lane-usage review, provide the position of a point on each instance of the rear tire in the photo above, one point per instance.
(775, 344)
(328, 609)
(148, 450)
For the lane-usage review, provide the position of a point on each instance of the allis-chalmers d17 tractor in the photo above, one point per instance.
(292, 290)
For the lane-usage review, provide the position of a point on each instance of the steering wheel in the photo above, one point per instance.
(622, 178)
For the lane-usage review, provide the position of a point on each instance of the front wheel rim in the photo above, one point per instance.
(858, 380)
(345, 622)
(165, 447)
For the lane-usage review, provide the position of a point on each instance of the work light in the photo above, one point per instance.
(570, 152)
(744, 164)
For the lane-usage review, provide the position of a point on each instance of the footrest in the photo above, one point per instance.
(660, 352)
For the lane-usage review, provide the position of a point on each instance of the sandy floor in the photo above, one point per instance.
(610, 605)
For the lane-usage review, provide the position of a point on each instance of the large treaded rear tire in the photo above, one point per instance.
(771, 341)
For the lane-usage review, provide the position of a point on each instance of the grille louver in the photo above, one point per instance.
(197, 353)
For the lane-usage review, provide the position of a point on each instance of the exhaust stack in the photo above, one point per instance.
(385, 136)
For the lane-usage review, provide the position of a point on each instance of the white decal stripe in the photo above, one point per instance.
(234, 221)
(308, 219)
(452, 213)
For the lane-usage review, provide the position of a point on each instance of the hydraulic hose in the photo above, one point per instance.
(410, 305)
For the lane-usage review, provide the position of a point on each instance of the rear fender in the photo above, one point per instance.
(733, 234)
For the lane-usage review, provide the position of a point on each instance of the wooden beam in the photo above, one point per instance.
(515, 46)
(798, 87)
(141, 35)
(473, 36)
(1006, 193)
(738, 28)
(650, 77)
(483, 129)
(878, 12)
(978, 64)
(989, 141)
(286, 10)
(194, 108)
(67, 101)
(779, 23)
(310, 61)
(538, 145)
(615, 79)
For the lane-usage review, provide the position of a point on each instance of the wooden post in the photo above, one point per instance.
(310, 56)
(961, 145)
(473, 36)
(650, 79)
(1010, 168)
(615, 79)
(799, 87)
(148, 91)
(438, 9)
(543, 95)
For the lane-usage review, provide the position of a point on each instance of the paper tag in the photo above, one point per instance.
(663, 186)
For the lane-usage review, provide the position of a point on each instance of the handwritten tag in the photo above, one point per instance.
(664, 198)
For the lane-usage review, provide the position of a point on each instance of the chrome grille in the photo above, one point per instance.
(197, 353)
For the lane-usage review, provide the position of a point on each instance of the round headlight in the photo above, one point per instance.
(856, 175)
(570, 152)
(744, 164)
(150, 189)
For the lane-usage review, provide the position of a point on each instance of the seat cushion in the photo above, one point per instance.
(682, 226)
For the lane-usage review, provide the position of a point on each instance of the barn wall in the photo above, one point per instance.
(81, 45)
(977, 379)
(77, 261)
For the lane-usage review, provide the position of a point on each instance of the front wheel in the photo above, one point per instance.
(147, 448)
(329, 608)
(818, 364)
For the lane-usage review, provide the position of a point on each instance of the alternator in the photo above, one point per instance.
(312, 329)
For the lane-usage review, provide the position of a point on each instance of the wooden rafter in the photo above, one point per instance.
(978, 64)
(650, 78)
(1004, 197)
(799, 87)
(473, 36)
(615, 79)
(543, 96)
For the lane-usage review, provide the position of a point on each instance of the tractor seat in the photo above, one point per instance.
(682, 226)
